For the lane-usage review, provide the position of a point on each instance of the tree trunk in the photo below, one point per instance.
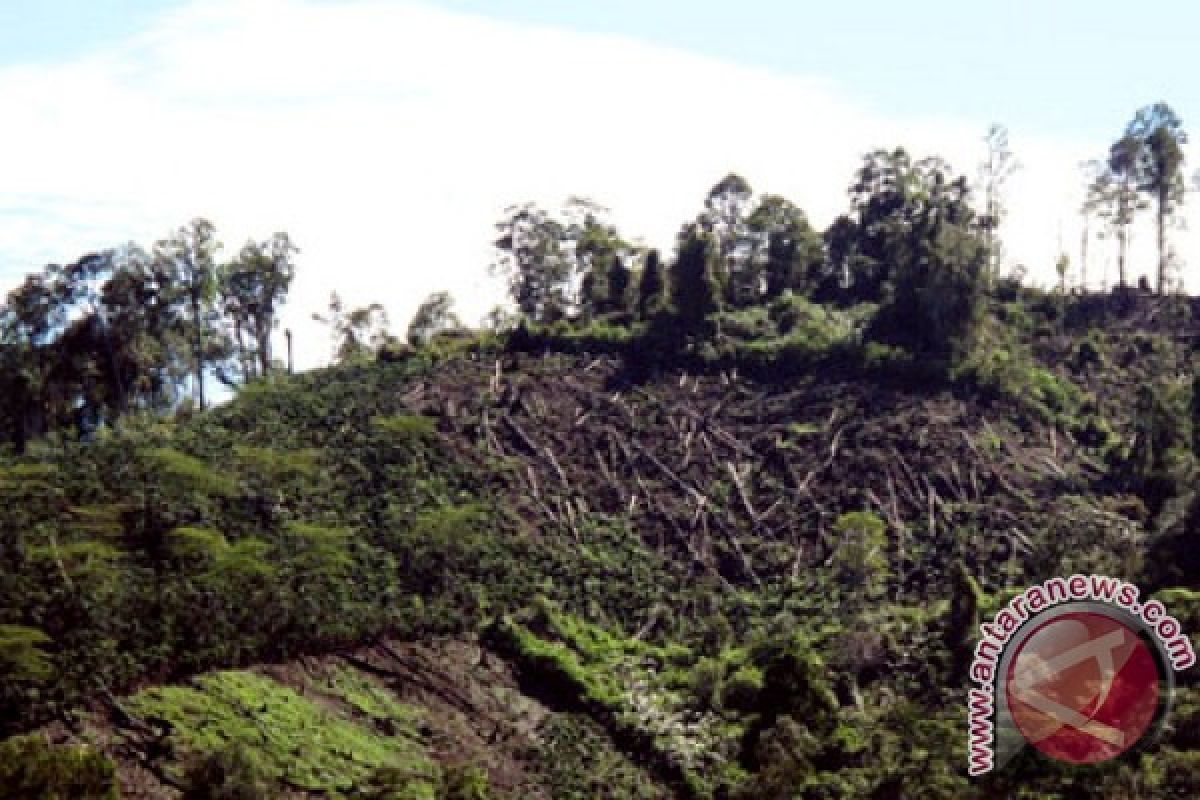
(264, 346)
(198, 349)
(291, 367)
(1083, 256)
(1122, 237)
(1162, 244)
(244, 361)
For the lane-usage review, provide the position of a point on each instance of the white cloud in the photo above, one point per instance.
(387, 138)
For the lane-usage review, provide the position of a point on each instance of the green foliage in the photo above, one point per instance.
(281, 735)
(617, 680)
(404, 428)
(1088, 354)
(275, 466)
(652, 286)
(253, 288)
(186, 474)
(465, 783)
(530, 254)
(581, 763)
(695, 282)
(1002, 367)
(790, 250)
(21, 655)
(318, 511)
(1150, 466)
(358, 334)
(434, 315)
(860, 558)
(32, 769)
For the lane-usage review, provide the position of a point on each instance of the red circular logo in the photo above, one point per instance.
(1083, 687)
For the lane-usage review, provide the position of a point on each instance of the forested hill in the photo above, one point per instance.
(590, 576)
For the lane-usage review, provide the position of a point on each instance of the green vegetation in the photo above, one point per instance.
(32, 769)
(283, 736)
(721, 523)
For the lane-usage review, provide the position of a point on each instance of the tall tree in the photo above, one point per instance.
(1158, 168)
(1089, 208)
(652, 286)
(620, 282)
(191, 255)
(531, 255)
(695, 283)
(724, 219)
(30, 317)
(1117, 190)
(254, 286)
(995, 170)
(435, 314)
(141, 304)
(938, 263)
(598, 254)
(786, 248)
(889, 200)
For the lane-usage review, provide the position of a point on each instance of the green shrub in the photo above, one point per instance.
(32, 769)
(465, 783)
(743, 687)
(861, 554)
(747, 323)
(226, 774)
(1088, 353)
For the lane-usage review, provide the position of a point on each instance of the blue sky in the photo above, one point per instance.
(1055, 66)
(1066, 67)
(387, 136)
(41, 32)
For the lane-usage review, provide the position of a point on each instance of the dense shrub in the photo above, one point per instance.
(32, 769)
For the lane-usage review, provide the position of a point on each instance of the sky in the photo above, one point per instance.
(388, 137)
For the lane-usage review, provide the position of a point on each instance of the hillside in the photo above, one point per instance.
(546, 566)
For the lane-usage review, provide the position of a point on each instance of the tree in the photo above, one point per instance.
(994, 172)
(938, 261)
(695, 287)
(620, 281)
(1061, 267)
(191, 256)
(32, 314)
(498, 320)
(885, 203)
(1157, 165)
(531, 256)
(1116, 193)
(785, 247)
(1091, 206)
(357, 333)
(1156, 431)
(140, 304)
(652, 286)
(433, 315)
(724, 219)
(253, 287)
(598, 254)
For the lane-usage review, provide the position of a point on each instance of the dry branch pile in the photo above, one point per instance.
(747, 480)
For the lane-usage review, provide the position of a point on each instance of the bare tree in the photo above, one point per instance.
(994, 172)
